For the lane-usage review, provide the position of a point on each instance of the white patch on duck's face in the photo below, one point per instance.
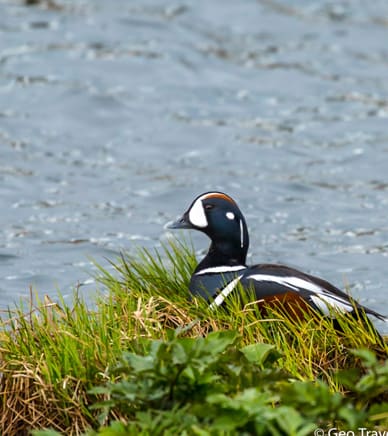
(197, 214)
(230, 215)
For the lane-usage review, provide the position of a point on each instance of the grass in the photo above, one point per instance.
(113, 370)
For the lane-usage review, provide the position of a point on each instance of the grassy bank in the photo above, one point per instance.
(146, 360)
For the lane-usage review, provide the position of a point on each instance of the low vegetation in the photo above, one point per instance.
(147, 360)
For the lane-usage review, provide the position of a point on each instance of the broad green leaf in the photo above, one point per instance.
(218, 342)
(259, 353)
(368, 358)
(292, 423)
(348, 377)
(379, 412)
(140, 363)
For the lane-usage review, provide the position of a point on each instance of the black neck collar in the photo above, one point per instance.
(223, 254)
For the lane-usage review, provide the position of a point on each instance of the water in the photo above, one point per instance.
(114, 115)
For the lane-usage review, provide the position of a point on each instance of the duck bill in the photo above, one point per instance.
(181, 223)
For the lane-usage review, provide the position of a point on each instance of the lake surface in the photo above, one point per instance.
(114, 115)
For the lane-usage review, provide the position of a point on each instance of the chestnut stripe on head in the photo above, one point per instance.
(218, 195)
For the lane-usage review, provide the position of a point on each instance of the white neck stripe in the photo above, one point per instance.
(220, 269)
(241, 234)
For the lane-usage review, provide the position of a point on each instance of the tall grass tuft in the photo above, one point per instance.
(54, 354)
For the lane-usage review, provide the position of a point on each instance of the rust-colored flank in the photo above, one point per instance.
(290, 301)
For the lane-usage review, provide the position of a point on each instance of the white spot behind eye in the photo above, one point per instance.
(230, 215)
(197, 215)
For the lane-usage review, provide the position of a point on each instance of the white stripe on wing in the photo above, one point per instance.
(323, 299)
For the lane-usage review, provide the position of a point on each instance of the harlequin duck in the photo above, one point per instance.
(224, 267)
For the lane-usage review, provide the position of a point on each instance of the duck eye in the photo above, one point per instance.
(208, 206)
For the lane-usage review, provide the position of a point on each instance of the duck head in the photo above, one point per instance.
(218, 216)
